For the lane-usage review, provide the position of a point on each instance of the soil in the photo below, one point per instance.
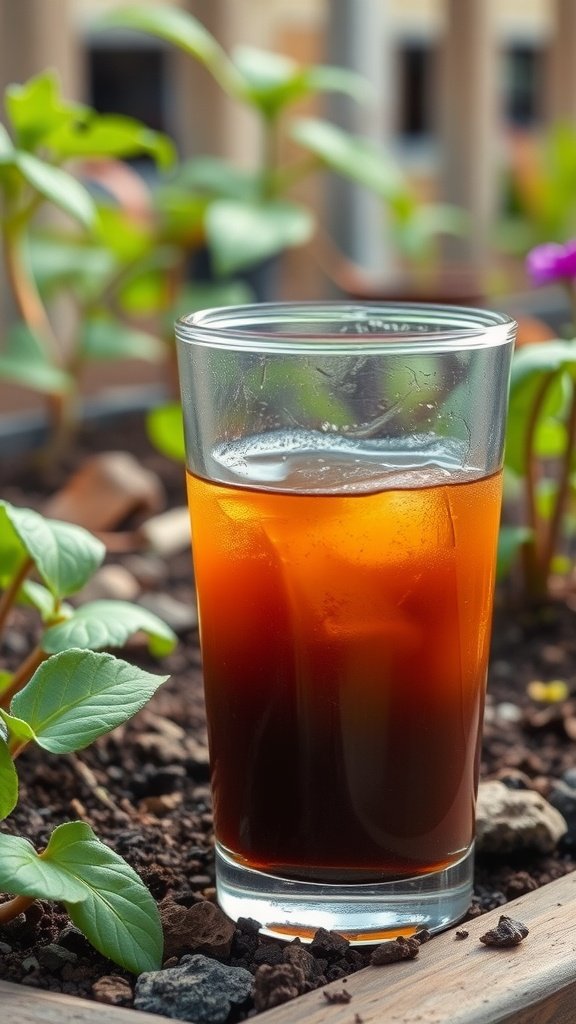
(144, 788)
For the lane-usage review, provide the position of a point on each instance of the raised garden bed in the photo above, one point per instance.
(157, 814)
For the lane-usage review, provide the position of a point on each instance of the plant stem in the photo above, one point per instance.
(11, 592)
(563, 489)
(22, 675)
(15, 906)
(26, 294)
(534, 562)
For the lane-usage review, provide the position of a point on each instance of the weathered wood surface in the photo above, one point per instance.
(451, 982)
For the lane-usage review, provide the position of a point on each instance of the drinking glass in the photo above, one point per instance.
(344, 482)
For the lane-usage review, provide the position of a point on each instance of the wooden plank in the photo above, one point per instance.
(451, 982)
(24, 1005)
(463, 982)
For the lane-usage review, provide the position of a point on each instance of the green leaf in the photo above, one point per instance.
(183, 31)
(17, 729)
(165, 429)
(106, 339)
(272, 80)
(325, 78)
(36, 596)
(103, 895)
(36, 109)
(76, 696)
(530, 367)
(58, 187)
(5, 680)
(551, 439)
(356, 158)
(24, 361)
(102, 624)
(510, 541)
(217, 177)
(59, 261)
(241, 234)
(546, 492)
(24, 873)
(6, 147)
(65, 556)
(111, 135)
(8, 782)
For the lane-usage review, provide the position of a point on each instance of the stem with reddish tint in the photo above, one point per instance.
(11, 909)
(23, 675)
(11, 593)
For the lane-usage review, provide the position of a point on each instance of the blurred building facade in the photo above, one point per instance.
(455, 81)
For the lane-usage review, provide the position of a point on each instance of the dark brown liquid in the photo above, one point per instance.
(345, 643)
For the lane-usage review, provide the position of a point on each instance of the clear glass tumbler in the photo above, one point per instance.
(344, 480)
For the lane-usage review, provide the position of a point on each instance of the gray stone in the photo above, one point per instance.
(569, 777)
(53, 957)
(168, 533)
(110, 583)
(5, 948)
(199, 990)
(563, 798)
(510, 821)
(179, 616)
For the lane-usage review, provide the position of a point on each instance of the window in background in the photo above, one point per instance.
(523, 84)
(131, 81)
(417, 88)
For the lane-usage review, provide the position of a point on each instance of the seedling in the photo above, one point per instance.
(64, 695)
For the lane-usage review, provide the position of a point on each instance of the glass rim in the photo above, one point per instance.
(417, 328)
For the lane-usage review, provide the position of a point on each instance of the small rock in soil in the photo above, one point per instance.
(298, 956)
(179, 616)
(110, 583)
(199, 990)
(168, 533)
(201, 928)
(393, 950)
(277, 984)
(506, 933)
(461, 933)
(53, 957)
(510, 820)
(329, 945)
(112, 989)
(73, 939)
(422, 935)
(335, 996)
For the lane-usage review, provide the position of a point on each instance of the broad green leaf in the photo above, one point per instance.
(183, 31)
(165, 429)
(24, 873)
(76, 696)
(510, 541)
(25, 361)
(103, 895)
(530, 367)
(127, 239)
(353, 157)
(325, 78)
(58, 187)
(17, 729)
(118, 914)
(111, 135)
(59, 261)
(35, 595)
(102, 624)
(65, 556)
(217, 177)
(36, 109)
(8, 782)
(272, 80)
(107, 339)
(241, 234)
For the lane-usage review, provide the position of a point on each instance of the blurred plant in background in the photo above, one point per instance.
(540, 457)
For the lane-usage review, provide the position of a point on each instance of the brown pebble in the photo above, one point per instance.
(112, 989)
(277, 984)
(337, 995)
(393, 950)
(506, 933)
(461, 933)
(422, 935)
(201, 928)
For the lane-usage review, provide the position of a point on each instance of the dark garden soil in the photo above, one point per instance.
(145, 791)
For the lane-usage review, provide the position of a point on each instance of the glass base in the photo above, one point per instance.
(365, 913)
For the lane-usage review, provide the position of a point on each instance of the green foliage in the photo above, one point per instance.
(165, 430)
(62, 698)
(540, 456)
(102, 894)
(242, 234)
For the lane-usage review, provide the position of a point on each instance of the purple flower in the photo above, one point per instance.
(552, 262)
